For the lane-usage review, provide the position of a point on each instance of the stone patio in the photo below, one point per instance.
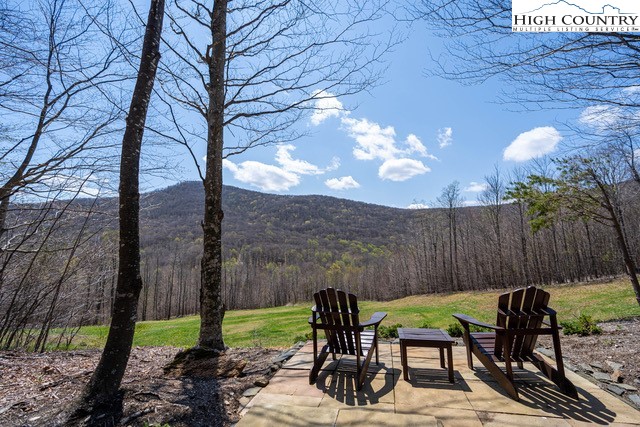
(428, 399)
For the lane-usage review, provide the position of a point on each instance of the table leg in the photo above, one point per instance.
(405, 364)
(441, 357)
(450, 361)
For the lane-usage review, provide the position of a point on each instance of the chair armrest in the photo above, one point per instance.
(313, 318)
(465, 320)
(549, 311)
(375, 320)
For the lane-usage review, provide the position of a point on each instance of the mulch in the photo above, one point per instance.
(39, 389)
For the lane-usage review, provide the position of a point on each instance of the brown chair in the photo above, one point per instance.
(336, 312)
(520, 321)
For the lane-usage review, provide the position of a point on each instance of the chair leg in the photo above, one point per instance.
(505, 382)
(507, 357)
(362, 370)
(466, 337)
(375, 342)
(317, 365)
(558, 378)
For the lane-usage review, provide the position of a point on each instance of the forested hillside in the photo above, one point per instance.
(280, 249)
(270, 222)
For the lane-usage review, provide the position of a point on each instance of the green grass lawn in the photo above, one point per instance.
(280, 326)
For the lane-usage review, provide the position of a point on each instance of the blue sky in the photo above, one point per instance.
(405, 141)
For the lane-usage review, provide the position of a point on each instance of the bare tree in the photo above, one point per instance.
(452, 201)
(542, 68)
(54, 97)
(57, 74)
(250, 70)
(102, 391)
(493, 199)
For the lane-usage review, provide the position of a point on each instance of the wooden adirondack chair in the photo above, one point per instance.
(520, 321)
(336, 312)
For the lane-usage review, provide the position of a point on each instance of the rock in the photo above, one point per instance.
(597, 365)
(614, 365)
(261, 382)
(286, 355)
(585, 367)
(616, 377)
(635, 399)
(570, 367)
(547, 352)
(615, 389)
(243, 401)
(627, 387)
(601, 376)
(250, 392)
(274, 367)
(300, 344)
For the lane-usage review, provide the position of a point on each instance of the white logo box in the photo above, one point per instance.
(594, 16)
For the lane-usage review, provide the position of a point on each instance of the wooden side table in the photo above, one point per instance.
(433, 338)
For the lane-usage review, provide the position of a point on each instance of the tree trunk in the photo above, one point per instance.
(105, 382)
(211, 307)
(626, 254)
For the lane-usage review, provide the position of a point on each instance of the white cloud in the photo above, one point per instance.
(401, 169)
(418, 206)
(263, 176)
(445, 137)
(532, 144)
(72, 186)
(631, 90)
(600, 117)
(373, 141)
(301, 167)
(476, 187)
(335, 164)
(277, 178)
(377, 142)
(326, 106)
(471, 202)
(416, 146)
(344, 183)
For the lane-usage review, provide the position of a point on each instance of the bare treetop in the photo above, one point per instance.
(280, 57)
(584, 68)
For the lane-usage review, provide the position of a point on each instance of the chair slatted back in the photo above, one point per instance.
(339, 317)
(522, 308)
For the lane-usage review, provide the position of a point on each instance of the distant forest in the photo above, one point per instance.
(280, 249)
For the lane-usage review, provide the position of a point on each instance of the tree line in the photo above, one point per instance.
(449, 247)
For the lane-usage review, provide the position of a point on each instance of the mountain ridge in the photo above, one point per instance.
(275, 221)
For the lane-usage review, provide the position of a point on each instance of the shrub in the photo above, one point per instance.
(389, 331)
(455, 330)
(306, 337)
(584, 325)
(427, 325)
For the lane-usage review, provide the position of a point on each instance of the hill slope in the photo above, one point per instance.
(268, 220)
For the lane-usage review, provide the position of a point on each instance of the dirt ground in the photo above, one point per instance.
(619, 343)
(38, 389)
(35, 389)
